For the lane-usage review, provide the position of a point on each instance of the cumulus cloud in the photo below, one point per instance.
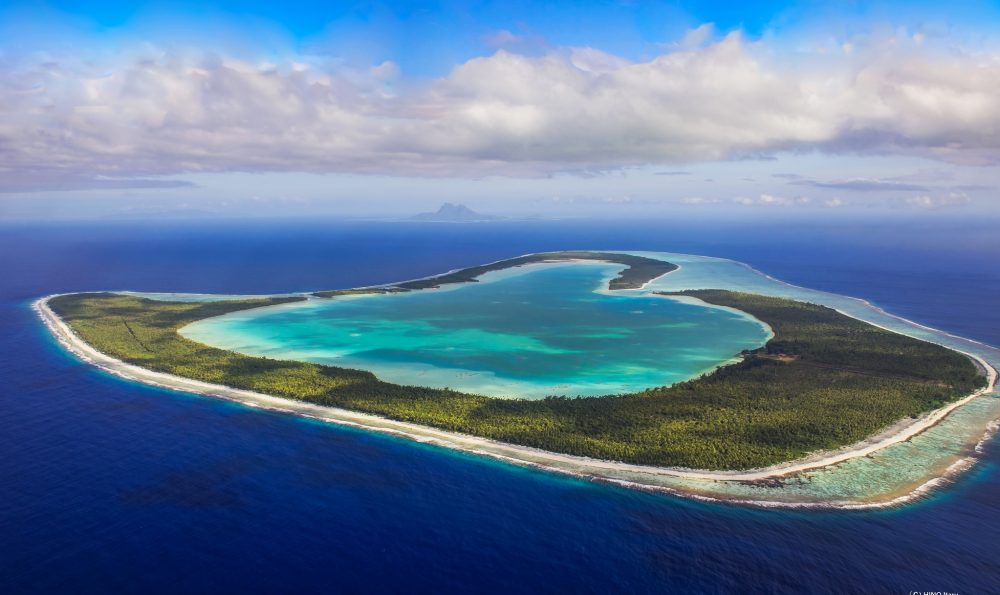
(570, 110)
(698, 36)
(927, 201)
(508, 40)
(770, 200)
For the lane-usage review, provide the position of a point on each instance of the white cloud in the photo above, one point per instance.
(699, 200)
(770, 200)
(698, 36)
(927, 201)
(386, 71)
(63, 121)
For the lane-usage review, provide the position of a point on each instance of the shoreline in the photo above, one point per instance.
(397, 284)
(865, 303)
(583, 467)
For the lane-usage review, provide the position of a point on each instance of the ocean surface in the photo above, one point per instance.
(110, 486)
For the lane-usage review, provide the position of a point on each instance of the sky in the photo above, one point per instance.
(536, 109)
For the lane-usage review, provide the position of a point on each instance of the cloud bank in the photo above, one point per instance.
(72, 121)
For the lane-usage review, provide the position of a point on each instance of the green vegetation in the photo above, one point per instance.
(639, 270)
(823, 381)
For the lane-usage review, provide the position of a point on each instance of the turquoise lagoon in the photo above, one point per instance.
(527, 332)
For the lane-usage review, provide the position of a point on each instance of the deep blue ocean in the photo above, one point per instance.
(109, 486)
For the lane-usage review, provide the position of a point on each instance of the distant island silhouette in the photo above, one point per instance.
(457, 213)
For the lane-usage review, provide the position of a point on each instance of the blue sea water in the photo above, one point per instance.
(109, 486)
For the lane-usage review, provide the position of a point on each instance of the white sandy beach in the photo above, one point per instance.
(616, 472)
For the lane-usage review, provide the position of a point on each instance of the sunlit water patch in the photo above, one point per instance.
(528, 332)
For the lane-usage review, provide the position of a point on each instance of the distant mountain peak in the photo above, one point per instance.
(451, 212)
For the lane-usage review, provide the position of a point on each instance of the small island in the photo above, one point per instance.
(454, 213)
(824, 383)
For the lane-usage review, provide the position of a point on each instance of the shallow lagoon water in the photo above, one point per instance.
(526, 332)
